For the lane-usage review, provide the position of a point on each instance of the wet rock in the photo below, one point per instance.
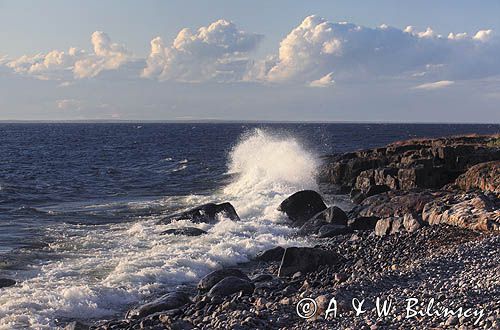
(330, 216)
(305, 259)
(207, 282)
(230, 285)
(186, 231)
(274, 254)
(206, 213)
(363, 223)
(169, 301)
(484, 176)
(262, 278)
(6, 282)
(475, 210)
(302, 206)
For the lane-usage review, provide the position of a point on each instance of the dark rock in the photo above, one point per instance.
(6, 282)
(327, 231)
(363, 223)
(274, 254)
(262, 278)
(332, 215)
(75, 325)
(205, 213)
(305, 259)
(207, 282)
(186, 231)
(230, 285)
(302, 206)
(169, 301)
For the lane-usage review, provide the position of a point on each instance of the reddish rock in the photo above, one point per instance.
(484, 176)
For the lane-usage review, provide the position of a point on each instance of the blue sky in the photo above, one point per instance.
(258, 60)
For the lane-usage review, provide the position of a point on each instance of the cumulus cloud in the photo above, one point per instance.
(435, 85)
(75, 62)
(317, 47)
(216, 52)
(325, 81)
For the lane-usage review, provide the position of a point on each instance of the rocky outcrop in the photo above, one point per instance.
(388, 226)
(473, 210)
(302, 206)
(206, 213)
(485, 177)
(305, 259)
(417, 163)
(186, 231)
(331, 216)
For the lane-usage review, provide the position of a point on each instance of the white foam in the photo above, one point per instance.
(103, 270)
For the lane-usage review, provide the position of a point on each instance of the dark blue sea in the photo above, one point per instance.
(79, 204)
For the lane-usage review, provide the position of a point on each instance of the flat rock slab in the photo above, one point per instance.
(306, 259)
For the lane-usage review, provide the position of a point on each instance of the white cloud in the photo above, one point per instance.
(317, 47)
(435, 85)
(74, 62)
(69, 104)
(216, 52)
(325, 81)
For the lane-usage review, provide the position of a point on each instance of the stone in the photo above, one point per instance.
(332, 215)
(166, 302)
(262, 278)
(230, 285)
(206, 213)
(412, 222)
(6, 282)
(274, 254)
(328, 231)
(483, 176)
(305, 259)
(383, 227)
(211, 279)
(186, 231)
(473, 210)
(363, 223)
(302, 206)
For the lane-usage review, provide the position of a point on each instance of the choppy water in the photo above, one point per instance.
(79, 205)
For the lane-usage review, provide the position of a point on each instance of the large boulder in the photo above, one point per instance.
(363, 223)
(274, 254)
(206, 213)
(330, 216)
(230, 285)
(484, 176)
(207, 282)
(389, 226)
(306, 259)
(328, 231)
(474, 210)
(167, 302)
(186, 231)
(302, 206)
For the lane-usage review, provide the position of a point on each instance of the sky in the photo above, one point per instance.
(369, 61)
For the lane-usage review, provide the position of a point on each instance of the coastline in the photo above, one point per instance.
(402, 245)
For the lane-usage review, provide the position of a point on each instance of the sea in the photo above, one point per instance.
(80, 205)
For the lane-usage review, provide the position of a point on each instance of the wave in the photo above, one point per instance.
(102, 271)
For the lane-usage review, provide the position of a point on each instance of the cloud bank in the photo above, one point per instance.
(316, 53)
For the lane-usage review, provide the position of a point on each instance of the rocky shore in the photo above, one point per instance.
(423, 237)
